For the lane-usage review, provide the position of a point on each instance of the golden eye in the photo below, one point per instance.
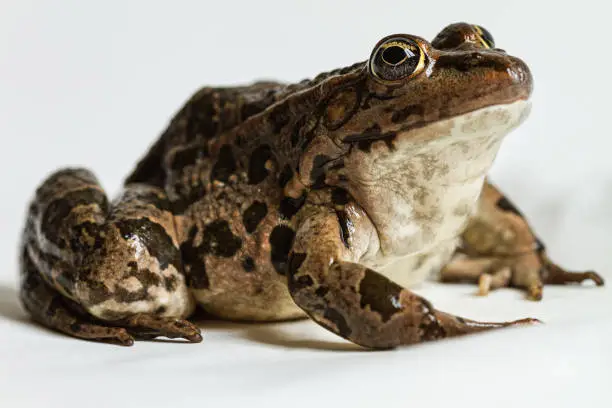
(484, 36)
(396, 58)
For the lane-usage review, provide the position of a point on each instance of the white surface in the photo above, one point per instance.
(94, 85)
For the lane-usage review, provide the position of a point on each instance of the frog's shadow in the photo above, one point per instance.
(9, 305)
(271, 334)
(267, 333)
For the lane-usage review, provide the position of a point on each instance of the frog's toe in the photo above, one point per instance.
(555, 275)
(148, 326)
(535, 291)
(497, 279)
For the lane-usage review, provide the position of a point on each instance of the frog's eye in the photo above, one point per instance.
(484, 36)
(396, 58)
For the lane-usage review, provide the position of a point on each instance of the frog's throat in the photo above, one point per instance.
(422, 193)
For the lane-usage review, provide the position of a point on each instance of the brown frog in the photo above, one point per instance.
(271, 202)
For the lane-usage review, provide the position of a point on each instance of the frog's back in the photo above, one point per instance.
(226, 161)
(226, 199)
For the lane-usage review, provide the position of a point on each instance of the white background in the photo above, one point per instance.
(85, 84)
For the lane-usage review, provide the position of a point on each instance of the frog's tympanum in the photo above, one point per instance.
(324, 198)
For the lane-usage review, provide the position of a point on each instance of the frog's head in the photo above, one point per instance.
(412, 132)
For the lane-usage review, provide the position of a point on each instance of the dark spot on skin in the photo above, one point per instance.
(339, 196)
(372, 134)
(188, 157)
(257, 164)
(225, 165)
(280, 117)
(201, 114)
(339, 321)
(219, 240)
(160, 310)
(98, 292)
(297, 129)
(367, 102)
(306, 138)
(285, 175)
(281, 240)
(76, 327)
(301, 282)
(253, 215)
(399, 116)
(317, 174)
(295, 262)
(54, 216)
(248, 264)
(147, 278)
(124, 295)
(55, 305)
(389, 138)
(154, 237)
(504, 204)
(195, 266)
(321, 291)
(380, 293)
(365, 145)
(171, 283)
(197, 278)
(345, 227)
(290, 206)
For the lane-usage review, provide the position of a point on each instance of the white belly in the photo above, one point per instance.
(420, 195)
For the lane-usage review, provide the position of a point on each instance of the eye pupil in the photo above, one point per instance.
(394, 55)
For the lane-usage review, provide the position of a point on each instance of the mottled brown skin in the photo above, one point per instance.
(252, 205)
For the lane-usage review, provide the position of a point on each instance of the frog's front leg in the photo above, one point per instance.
(353, 301)
(104, 271)
(500, 249)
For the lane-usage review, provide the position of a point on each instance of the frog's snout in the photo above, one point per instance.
(520, 75)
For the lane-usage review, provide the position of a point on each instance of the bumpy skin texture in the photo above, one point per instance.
(272, 201)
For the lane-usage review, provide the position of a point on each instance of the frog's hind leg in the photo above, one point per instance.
(488, 272)
(500, 249)
(49, 308)
(104, 271)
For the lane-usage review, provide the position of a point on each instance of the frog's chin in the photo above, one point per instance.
(421, 193)
(490, 122)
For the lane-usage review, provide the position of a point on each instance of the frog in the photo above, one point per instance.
(324, 199)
